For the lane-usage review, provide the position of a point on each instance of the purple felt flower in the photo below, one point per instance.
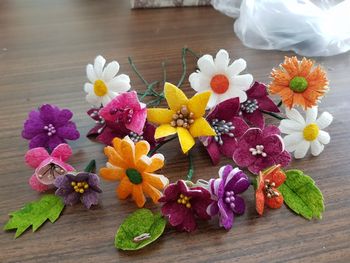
(257, 101)
(75, 187)
(49, 127)
(259, 149)
(127, 111)
(183, 204)
(228, 127)
(224, 192)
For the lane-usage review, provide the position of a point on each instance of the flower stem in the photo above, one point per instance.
(137, 72)
(150, 90)
(193, 53)
(273, 115)
(91, 167)
(151, 152)
(184, 67)
(164, 71)
(190, 168)
(279, 104)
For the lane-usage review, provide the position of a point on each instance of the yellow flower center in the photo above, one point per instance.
(100, 88)
(311, 132)
(182, 118)
(185, 200)
(80, 187)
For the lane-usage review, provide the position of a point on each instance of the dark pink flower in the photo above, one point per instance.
(257, 101)
(183, 204)
(259, 149)
(228, 127)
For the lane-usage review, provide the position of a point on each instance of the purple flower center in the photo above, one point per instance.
(50, 129)
(221, 127)
(249, 106)
(230, 199)
(122, 115)
(80, 187)
(136, 137)
(258, 150)
(185, 200)
(270, 189)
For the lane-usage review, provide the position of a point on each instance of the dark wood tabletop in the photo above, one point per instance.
(44, 48)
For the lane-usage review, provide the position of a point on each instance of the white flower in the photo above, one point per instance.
(221, 78)
(105, 83)
(305, 133)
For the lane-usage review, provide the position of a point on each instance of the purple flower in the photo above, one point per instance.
(224, 192)
(228, 127)
(259, 149)
(183, 204)
(257, 101)
(75, 187)
(49, 127)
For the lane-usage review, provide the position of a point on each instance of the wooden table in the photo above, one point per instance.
(44, 48)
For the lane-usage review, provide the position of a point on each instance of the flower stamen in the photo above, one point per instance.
(136, 137)
(50, 129)
(249, 106)
(270, 189)
(230, 199)
(298, 84)
(221, 127)
(183, 118)
(80, 187)
(185, 200)
(259, 149)
(311, 132)
(100, 88)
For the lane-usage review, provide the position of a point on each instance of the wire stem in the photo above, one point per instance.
(190, 167)
(160, 145)
(184, 67)
(137, 72)
(279, 104)
(273, 115)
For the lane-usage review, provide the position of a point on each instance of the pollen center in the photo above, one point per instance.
(298, 84)
(219, 84)
(134, 175)
(185, 200)
(80, 187)
(311, 132)
(100, 88)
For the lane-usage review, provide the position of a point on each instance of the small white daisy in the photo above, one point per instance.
(221, 78)
(305, 133)
(105, 83)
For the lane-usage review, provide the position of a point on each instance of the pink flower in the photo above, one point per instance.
(48, 167)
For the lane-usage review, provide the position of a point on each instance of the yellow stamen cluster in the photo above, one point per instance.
(182, 118)
(311, 132)
(185, 200)
(80, 187)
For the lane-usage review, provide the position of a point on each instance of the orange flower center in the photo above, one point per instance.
(270, 190)
(298, 84)
(80, 187)
(219, 84)
(185, 200)
(134, 175)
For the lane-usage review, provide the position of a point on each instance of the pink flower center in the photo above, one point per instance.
(230, 199)
(122, 115)
(50, 129)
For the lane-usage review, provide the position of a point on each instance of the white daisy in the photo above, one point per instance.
(221, 78)
(305, 133)
(105, 83)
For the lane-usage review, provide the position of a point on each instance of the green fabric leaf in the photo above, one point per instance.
(35, 214)
(143, 221)
(302, 195)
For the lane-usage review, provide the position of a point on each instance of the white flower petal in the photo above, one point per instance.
(213, 100)
(324, 137)
(199, 81)
(293, 114)
(206, 65)
(120, 83)
(222, 60)
(236, 67)
(112, 94)
(90, 73)
(301, 149)
(311, 115)
(290, 126)
(324, 120)
(292, 141)
(106, 99)
(88, 88)
(93, 99)
(233, 93)
(242, 81)
(98, 66)
(316, 147)
(110, 71)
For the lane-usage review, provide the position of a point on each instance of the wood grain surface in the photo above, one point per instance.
(44, 48)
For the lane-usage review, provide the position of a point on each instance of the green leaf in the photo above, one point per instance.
(302, 195)
(35, 214)
(143, 221)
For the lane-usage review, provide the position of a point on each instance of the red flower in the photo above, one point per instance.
(266, 192)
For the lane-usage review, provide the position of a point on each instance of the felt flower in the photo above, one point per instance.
(49, 127)
(126, 111)
(257, 101)
(183, 204)
(185, 117)
(222, 79)
(104, 84)
(258, 149)
(224, 193)
(267, 193)
(48, 167)
(75, 187)
(303, 134)
(228, 127)
(299, 82)
(128, 163)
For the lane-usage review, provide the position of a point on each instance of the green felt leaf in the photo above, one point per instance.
(140, 222)
(302, 195)
(35, 214)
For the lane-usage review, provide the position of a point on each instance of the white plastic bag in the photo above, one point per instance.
(298, 25)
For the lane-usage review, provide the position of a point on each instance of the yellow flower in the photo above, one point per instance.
(185, 117)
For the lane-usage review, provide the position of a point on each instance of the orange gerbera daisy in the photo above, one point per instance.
(128, 163)
(299, 82)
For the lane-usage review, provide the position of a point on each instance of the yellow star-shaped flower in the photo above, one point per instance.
(185, 116)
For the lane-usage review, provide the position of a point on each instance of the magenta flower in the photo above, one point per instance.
(259, 149)
(48, 167)
(49, 127)
(126, 111)
(257, 101)
(228, 127)
(224, 193)
(183, 204)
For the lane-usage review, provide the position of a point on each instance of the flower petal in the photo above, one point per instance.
(138, 121)
(98, 66)
(124, 189)
(316, 147)
(275, 202)
(226, 215)
(311, 115)
(54, 141)
(90, 73)
(185, 138)
(198, 103)
(229, 146)
(114, 158)
(188, 223)
(152, 192)
(255, 118)
(291, 141)
(200, 207)
(242, 81)
(239, 205)
(164, 130)
(35, 156)
(157, 162)
(174, 96)
(63, 117)
(68, 131)
(90, 198)
(222, 60)
(175, 212)
(237, 67)
(39, 140)
(293, 114)
(273, 145)
(243, 157)
(260, 201)
(141, 148)
(201, 127)
(213, 151)
(110, 71)
(324, 137)
(62, 151)
(260, 164)
(120, 83)
(159, 115)
(157, 180)
(301, 149)
(127, 150)
(241, 185)
(112, 174)
(324, 120)
(213, 209)
(206, 65)
(290, 126)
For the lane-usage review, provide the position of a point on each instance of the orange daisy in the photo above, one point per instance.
(299, 82)
(128, 163)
